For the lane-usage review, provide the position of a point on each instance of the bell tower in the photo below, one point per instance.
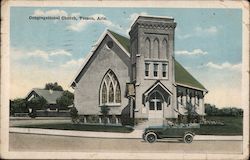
(152, 56)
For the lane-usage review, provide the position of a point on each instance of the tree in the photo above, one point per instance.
(191, 112)
(37, 103)
(212, 110)
(18, 105)
(65, 100)
(105, 112)
(74, 115)
(53, 86)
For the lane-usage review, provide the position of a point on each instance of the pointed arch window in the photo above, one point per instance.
(110, 92)
(104, 93)
(164, 49)
(147, 48)
(156, 46)
(118, 94)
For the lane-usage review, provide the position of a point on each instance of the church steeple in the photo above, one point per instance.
(152, 47)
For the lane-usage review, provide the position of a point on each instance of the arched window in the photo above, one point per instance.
(147, 48)
(110, 92)
(104, 93)
(164, 49)
(118, 94)
(156, 53)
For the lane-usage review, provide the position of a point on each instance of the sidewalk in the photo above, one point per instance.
(40, 118)
(136, 134)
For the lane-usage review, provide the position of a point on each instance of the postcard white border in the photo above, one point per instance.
(244, 5)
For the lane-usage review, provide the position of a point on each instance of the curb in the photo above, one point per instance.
(136, 134)
(90, 134)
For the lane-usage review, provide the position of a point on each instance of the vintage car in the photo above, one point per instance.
(186, 132)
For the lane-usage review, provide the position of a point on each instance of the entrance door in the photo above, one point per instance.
(155, 106)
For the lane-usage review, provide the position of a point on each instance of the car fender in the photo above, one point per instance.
(152, 131)
(189, 132)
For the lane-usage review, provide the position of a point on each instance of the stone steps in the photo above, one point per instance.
(150, 122)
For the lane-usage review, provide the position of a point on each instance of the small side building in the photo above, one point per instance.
(49, 95)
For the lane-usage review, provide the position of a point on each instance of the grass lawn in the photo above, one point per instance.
(233, 126)
(80, 127)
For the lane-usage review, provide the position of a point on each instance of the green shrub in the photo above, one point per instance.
(113, 119)
(105, 112)
(74, 115)
(93, 119)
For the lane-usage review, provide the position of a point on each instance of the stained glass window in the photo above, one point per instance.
(104, 93)
(110, 89)
(117, 94)
(111, 93)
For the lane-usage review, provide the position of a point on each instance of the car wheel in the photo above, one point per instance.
(151, 137)
(188, 138)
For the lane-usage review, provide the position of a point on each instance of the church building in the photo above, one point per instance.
(137, 76)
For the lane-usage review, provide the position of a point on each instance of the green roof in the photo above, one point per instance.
(182, 76)
(50, 96)
(124, 41)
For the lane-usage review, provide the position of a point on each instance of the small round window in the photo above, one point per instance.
(110, 44)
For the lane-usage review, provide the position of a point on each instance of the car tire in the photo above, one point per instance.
(143, 137)
(188, 138)
(151, 137)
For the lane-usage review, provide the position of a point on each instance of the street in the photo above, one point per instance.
(33, 142)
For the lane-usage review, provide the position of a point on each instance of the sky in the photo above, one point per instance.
(208, 43)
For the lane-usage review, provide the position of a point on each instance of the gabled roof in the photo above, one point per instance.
(50, 96)
(182, 76)
(120, 40)
(159, 87)
(124, 41)
(157, 83)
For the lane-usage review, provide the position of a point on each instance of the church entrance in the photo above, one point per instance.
(156, 103)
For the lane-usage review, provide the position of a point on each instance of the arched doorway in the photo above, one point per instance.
(156, 105)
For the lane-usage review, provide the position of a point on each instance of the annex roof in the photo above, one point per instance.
(182, 76)
(50, 95)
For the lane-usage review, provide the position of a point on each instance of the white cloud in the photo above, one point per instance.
(193, 52)
(225, 65)
(185, 36)
(39, 53)
(78, 26)
(212, 30)
(200, 32)
(54, 12)
(73, 63)
(17, 54)
(60, 52)
(134, 16)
